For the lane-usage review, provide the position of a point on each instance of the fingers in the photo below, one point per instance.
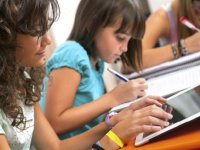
(141, 93)
(139, 86)
(167, 108)
(152, 116)
(129, 90)
(153, 121)
(148, 119)
(141, 82)
(148, 129)
(148, 100)
(157, 100)
(154, 111)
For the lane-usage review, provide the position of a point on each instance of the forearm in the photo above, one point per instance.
(156, 56)
(85, 140)
(81, 115)
(44, 136)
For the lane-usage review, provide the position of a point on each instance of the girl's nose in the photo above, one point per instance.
(124, 49)
(47, 38)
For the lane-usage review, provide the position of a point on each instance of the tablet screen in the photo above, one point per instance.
(182, 106)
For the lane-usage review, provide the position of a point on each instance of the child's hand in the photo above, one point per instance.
(148, 119)
(144, 102)
(145, 115)
(128, 91)
(192, 43)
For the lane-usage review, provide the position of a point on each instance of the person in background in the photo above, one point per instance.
(23, 42)
(176, 40)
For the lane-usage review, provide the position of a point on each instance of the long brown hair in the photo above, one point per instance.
(24, 17)
(94, 14)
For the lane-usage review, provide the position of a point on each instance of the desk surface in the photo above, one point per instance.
(186, 137)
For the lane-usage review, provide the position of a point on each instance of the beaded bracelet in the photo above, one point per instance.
(115, 138)
(174, 48)
(184, 50)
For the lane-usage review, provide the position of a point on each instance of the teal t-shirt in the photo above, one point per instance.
(71, 54)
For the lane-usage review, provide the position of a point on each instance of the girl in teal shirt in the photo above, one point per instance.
(73, 95)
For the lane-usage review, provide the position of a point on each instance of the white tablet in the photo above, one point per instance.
(184, 106)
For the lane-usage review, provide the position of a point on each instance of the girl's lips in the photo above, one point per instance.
(41, 52)
(117, 56)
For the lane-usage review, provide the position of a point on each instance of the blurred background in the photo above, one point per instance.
(61, 28)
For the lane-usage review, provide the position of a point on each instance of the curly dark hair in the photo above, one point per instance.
(27, 17)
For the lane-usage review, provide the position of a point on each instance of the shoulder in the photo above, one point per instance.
(158, 20)
(69, 48)
(69, 54)
(159, 15)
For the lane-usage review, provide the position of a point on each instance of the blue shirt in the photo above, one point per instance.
(71, 54)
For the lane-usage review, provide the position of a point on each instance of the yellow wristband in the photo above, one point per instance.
(115, 138)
